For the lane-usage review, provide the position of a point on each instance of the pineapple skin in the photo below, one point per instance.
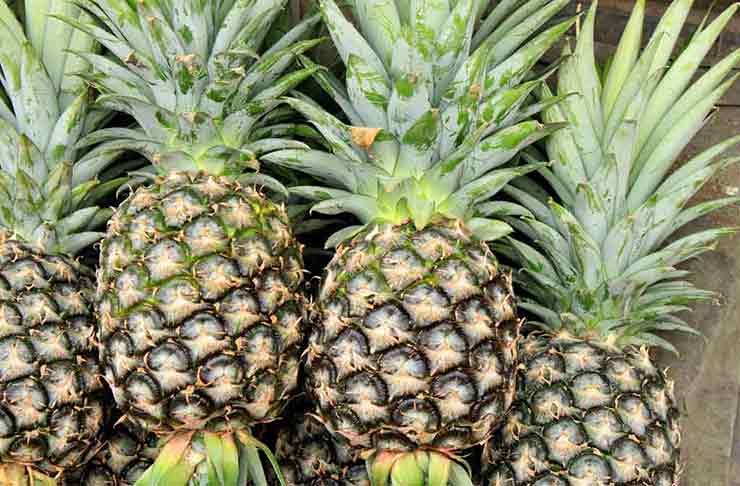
(51, 398)
(415, 340)
(201, 315)
(586, 414)
(122, 460)
(310, 456)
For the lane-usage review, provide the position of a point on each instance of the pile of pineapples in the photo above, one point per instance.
(177, 174)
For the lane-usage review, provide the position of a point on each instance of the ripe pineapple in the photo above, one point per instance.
(309, 456)
(201, 315)
(122, 460)
(592, 408)
(51, 409)
(412, 355)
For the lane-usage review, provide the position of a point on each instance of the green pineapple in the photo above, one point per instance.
(601, 278)
(413, 353)
(51, 398)
(199, 302)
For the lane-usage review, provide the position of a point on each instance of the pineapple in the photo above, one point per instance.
(601, 280)
(122, 460)
(414, 346)
(51, 399)
(309, 456)
(201, 314)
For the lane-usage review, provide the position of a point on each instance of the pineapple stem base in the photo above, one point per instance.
(222, 458)
(417, 468)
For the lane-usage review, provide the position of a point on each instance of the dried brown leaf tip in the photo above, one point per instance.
(364, 136)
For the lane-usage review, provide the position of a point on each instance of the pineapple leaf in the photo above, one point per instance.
(350, 43)
(342, 235)
(481, 189)
(365, 208)
(679, 75)
(485, 229)
(624, 59)
(438, 470)
(381, 23)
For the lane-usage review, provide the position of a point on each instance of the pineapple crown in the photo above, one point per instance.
(47, 192)
(435, 100)
(600, 265)
(190, 73)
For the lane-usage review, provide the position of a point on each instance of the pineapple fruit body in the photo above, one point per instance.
(415, 342)
(122, 460)
(587, 413)
(310, 456)
(52, 410)
(200, 312)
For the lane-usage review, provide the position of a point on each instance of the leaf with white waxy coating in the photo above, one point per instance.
(300, 32)
(265, 72)
(380, 24)
(318, 193)
(140, 65)
(349, 42)
(585, 252)
(712, 82)
(668, 205)
(409, 101)
(452, 45)
(591, 209)
(67, 130)
(481, 189)
(76, 221)
(37, 106)
(561, 146)
(499, 209)
(661, 160)
(576, 112)
(285, 84)
(625, 58)
(546, 314)
(674, 292)
(518, 65)
(368, 92)
(147, 115)
(589, 83)
(73, 244)
(520, 26)
(365, 208)
(342, 235)
(326, 167)
(699, 210)
(334, 88)
(336, 134)
(485, 229)
(680, 74)
(501, 11)
(502, 147)
(418, 146)
(263, 180)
